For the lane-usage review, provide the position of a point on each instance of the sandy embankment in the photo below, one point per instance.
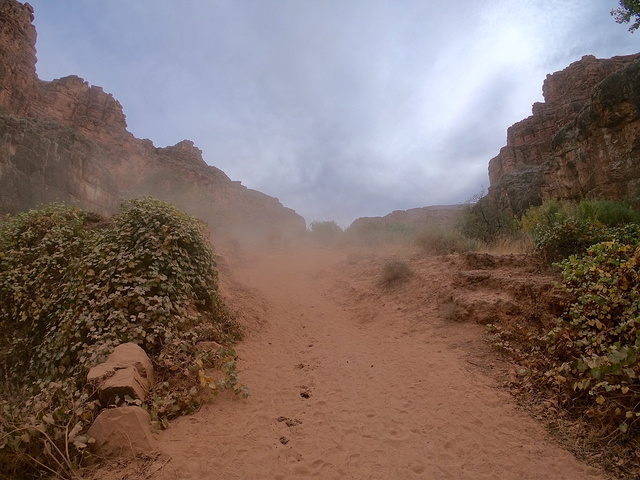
(349, 381)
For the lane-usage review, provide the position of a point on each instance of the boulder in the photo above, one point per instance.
(122, 432)
(127, 371)
(124, 382)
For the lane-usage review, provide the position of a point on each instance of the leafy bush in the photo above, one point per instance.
(444, 242)
(565, 238)
(595, 349)
(395, 272)
(564, 228)
(69, 293)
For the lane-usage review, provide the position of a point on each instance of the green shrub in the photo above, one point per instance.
(604, 213)
(613, 213)
(594, 350)
(545, 215)
(587, 362)
(395, 272)
(564, 228)
(69, 293)
(565, 238)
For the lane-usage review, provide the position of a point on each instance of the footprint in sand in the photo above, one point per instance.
(289, 422)
(319, 417)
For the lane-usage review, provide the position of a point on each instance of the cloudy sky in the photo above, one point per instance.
(340, 108)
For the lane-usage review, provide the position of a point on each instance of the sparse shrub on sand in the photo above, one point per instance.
(450, 312)
(395, 272)
(71, 289)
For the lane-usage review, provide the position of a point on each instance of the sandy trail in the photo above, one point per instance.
(349, 383)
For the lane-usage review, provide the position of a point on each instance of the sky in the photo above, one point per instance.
(339, 108)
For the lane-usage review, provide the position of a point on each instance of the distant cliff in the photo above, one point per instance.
(68, 141)
(582, 142)
(405, 224)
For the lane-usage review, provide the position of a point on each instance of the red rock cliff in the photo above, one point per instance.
(17, 56)
(529, 168)
(68, 141)
(597, 154)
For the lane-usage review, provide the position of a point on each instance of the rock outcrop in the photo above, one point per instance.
(67, 141)
(581, 142)
(127, 372)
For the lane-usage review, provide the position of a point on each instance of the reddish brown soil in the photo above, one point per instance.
(351, 379)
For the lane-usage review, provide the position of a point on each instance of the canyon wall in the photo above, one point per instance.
(67, 141)
(582, 142)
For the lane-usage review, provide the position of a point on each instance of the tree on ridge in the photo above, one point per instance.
(628, 12)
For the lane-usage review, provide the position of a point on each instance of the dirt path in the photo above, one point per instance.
(349, 382)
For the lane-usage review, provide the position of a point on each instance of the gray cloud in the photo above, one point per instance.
(340, 109)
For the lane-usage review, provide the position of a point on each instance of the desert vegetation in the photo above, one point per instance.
(585, 364)
(439, 241)
(73, 285)
(395, 272)
(561, 229)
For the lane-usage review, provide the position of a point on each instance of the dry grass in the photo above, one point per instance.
(450, 312)
(511, 245)
(395, 272)
(437, 241)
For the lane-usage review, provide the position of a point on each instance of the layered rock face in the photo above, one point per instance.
(572, 145)
(598, 154)
(68, 141)
(17, 56)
